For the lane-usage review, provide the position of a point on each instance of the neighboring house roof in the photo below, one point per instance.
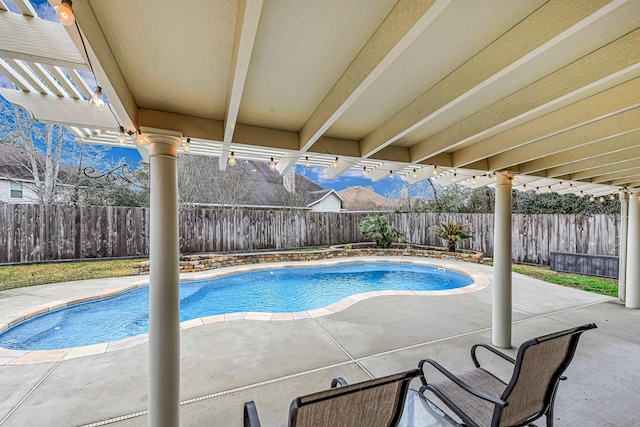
(364, 199)
(314, 197)
(265, 187)
(15, 164)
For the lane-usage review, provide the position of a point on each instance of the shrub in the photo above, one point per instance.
(377, 227)
(451, 232)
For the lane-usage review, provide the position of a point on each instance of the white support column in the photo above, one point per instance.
(633, 254)
(164, 296)
(501, 307)
(622, 246)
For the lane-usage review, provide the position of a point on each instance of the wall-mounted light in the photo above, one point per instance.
(232, 159)
(272, 165)
(65, 13)
(186, 147)
(96, 100)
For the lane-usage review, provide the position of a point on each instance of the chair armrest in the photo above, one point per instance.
(492, 350)
(457, 381)
(338, 382)
(251, 415)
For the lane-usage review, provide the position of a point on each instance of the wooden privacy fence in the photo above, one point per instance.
(40, 233)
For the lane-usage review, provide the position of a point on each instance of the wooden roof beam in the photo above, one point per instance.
(246, 29)
(605, 168)
(406, 21)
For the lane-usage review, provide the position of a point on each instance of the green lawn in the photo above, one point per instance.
(19, 276)
(598, 285)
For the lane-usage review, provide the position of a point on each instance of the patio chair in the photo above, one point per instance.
(479, 398)
(373, 403)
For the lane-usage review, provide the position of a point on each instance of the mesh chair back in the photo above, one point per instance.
(375, 403)
(539, 365)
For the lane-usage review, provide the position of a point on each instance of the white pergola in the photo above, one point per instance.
(540, 93)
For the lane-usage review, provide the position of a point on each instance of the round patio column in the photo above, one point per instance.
(633, 253)
(164, 297)
(622, 246)
(501, 307)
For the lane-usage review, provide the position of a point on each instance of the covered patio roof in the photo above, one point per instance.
(547, 89)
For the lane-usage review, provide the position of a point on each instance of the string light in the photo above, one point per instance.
(494, 176)
(549, 190)
(592, 199)
(65, 13)
(96, 100)
(435, 170)
(390, 175)
(524, 188)
(122, 137)
(365, 172)
(232, 159)
(474, 180)
(455, 178)
(187, 146)
(582, 194)
(537, 190)
(561, 185)
(516, 179)
(570, 187)
(335, 163)
(141, 139)
(601, 199)
(415, 174)
(307, 163)
(612, 197)
(621, 191)
(272, 165)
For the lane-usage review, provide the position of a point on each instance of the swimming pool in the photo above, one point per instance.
(273, 291)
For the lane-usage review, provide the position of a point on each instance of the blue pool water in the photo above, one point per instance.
(273, 291)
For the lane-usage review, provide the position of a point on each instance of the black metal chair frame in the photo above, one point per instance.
(501, 402)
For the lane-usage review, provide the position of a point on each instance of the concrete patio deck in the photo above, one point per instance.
(227, 363)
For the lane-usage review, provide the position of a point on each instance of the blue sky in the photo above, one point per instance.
(384, 187)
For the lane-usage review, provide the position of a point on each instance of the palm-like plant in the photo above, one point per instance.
(451, 232)
(377, 227)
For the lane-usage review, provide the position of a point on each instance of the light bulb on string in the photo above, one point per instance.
(549, 190)
(516, 179)
(415, 174)
(474, 180)
(141, 139)
(582, 194)
(232, 159)
(435, 170)
(187, 146)
(592, 199)
(620, 192)
(335, 163)
(537, 190)
(561, 185)
(96, 100)
(65, 13)
(122, 136)
(570, 187)
(601, 199)
(495, 176)
(390, 175)
(307, 163)
(272, 164)
(612, 197)
(365, 172)
(524, 188)
(455, 178)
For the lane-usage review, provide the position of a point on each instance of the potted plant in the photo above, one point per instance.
(451, 232)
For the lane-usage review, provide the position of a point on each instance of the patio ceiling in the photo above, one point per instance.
(546, 90)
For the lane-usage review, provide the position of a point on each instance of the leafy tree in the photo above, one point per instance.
(451, 232)
(377, 227)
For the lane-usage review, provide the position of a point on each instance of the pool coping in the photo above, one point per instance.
(21, 357)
